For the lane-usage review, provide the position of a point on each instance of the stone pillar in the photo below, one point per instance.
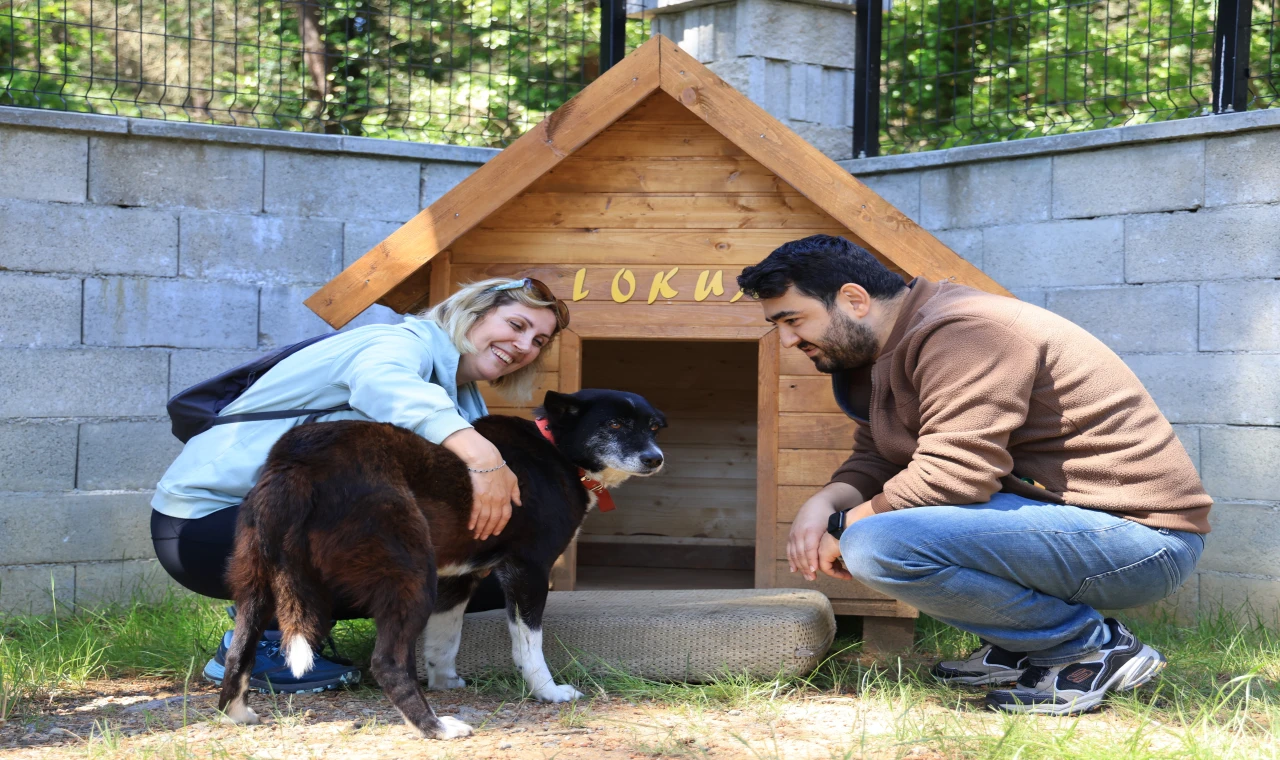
(792, 57)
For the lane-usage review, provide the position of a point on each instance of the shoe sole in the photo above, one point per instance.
(991, 679)
(1144, 666)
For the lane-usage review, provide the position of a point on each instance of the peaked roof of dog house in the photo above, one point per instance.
(395, 272)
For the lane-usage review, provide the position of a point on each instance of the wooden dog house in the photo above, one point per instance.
(639, 201)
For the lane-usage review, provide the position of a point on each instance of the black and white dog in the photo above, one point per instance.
(374, 516)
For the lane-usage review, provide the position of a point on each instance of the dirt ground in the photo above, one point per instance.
(152, 718)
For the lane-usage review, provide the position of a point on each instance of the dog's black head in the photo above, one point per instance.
(601, 430)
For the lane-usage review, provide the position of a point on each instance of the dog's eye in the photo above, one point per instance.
(654, 428)
(615, 425)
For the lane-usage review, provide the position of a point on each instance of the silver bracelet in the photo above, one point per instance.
(491, 469)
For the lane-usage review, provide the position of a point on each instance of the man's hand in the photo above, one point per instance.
(829, 559)
(810, 525)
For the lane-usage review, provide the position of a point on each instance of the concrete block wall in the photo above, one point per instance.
(769, 51)
(1162, 240)
(140, 257)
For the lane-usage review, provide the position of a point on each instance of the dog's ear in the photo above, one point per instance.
(561, 404)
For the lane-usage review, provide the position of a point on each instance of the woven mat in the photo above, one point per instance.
(666, 635)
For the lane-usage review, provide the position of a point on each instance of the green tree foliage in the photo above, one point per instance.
(957, 72)
(481, 72)
(474, 72)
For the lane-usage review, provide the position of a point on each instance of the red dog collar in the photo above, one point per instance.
(604, 501)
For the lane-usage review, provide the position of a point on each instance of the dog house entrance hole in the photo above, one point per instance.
(693, 525)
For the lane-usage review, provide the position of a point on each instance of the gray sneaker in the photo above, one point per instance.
(1076, 687)
(987, 666)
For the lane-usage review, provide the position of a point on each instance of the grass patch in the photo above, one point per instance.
(1219, 697)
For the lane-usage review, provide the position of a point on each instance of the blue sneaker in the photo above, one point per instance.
(271, 671)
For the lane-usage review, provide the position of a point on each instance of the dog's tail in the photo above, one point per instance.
(282, 504)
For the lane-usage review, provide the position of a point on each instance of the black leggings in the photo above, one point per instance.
(196, 552)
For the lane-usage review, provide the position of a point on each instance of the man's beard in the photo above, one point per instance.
(845, 345)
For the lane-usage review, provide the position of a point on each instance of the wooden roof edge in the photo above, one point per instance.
(879, 226)
(506, 175)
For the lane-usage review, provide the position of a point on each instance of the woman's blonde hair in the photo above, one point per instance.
(458, 313)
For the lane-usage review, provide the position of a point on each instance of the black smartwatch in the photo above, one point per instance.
(835, 523)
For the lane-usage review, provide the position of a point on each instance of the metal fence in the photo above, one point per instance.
(470, 72)
(959, 72)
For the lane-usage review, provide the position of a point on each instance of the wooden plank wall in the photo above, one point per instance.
(658, 190)
(814, 437)
(707, 390)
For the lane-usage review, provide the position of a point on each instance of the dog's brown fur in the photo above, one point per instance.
(374, 518)
(373, 548)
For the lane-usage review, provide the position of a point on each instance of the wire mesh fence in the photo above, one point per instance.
(469, 72)
(959, 72)
(1264, 55)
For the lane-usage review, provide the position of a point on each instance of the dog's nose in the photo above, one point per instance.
(651, 460)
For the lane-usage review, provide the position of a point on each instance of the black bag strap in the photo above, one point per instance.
(278, 415)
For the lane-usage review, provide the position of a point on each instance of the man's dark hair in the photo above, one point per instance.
(818, 266)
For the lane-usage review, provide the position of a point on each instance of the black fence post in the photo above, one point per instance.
(1231, 55)
(866, 77)
(613, 33)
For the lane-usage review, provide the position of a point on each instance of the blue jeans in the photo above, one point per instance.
(1021, 574)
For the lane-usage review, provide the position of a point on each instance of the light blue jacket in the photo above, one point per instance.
(405, 374)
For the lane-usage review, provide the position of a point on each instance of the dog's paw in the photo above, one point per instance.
(244, 716)
(440, 684)
(558, 693)
(452, 728)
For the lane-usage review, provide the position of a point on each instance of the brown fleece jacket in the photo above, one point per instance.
(975, 393)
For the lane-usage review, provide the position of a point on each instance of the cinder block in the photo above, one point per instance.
(56, 237)
(186, 368)
(358, 238)
(83, 383)
(1242, 168)
(129, 171)
(39, 311)
(124, 456)
(42, 165)
(988, 193)
(75, 527)
(38, 456)
(1236, 389)
(286, 320)
(1240, 463)
(1240, 315)
(32, 589)
(706, 33)
(1243, 539)
(439, 177)
(122, 311)
(831, 140)
(1246, 598)
(1129, 180)
(1145, 318)
(967, 243)
(1189, 436)
(1084, 252)
(260, 249)
(99, 584)
(1036, 296)
(350, 187)
(1214, 244)
(785, 31)
(902, 190)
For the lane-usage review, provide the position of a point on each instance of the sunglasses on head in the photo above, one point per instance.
(543, 292)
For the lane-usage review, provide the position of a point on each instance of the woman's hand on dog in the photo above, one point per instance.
(494, 492)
